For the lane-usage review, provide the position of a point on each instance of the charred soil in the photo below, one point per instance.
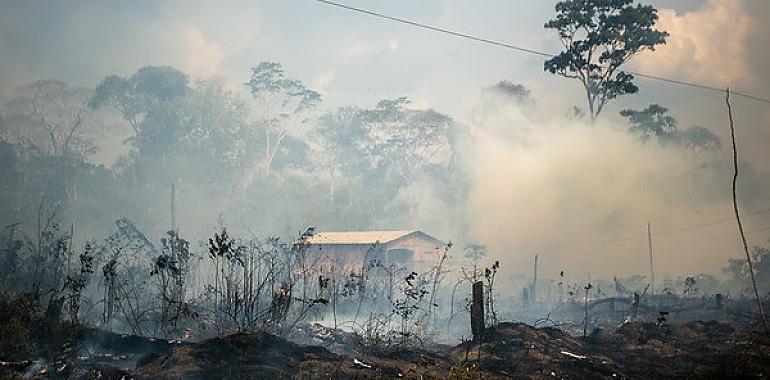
(636, 350)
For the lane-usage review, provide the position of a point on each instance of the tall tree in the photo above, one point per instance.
(136, 95)
(48, 116)
(697, 140)
(598, 37)
(280, 102)
(343, 140)
(192, 136)
(655, 120)
(386, 148)
(514, 92)
(406, 140)
(694, 142)
(651, 121)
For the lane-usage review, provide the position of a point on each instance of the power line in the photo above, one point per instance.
(665, 232)
(711, 223)
(599, 242)
(436, 29)
(697, 85)
(524, 49)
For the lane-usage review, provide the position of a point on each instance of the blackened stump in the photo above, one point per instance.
(477, 311)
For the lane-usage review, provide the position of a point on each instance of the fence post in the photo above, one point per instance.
(477, 311)
(525, 296)
(720, 306)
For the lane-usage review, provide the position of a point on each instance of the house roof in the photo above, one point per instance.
(362, 237)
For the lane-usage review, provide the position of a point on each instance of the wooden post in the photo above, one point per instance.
(652, 268)
(720, 306)
(533, 293)
(477, 311)
(525, 296)
(635, 306)
(173, 208)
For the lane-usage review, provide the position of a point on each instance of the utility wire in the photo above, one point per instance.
(576, 249)
(665, 232)
(436, 29)
(524, 49)
(706, 224)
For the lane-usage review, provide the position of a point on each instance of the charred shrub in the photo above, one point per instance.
(19, 318)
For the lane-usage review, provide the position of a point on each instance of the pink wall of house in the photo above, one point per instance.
(414, 249)
(426, 250)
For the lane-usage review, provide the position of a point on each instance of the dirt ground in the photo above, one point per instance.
(636, 350)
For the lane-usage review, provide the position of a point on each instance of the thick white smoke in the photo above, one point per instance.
(581, 195)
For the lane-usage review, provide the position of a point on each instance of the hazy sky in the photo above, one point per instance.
(349, 57)
(355, 59)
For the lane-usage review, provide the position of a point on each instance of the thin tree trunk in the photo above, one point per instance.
(737, 214)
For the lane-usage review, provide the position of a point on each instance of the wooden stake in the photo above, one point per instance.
(533, 296)
(652, 267)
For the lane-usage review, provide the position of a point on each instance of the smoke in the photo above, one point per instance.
(541, 183)
(709, 44)
(581, 196)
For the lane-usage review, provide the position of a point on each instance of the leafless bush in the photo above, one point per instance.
(75, 283)
(374, 334)
(489, 276)
(170, 271)
(263, 283)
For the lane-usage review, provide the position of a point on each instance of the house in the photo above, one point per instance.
(414, 249)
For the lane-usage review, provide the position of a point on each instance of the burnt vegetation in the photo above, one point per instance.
(96, 283)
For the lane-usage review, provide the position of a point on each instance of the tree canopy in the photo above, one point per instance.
(655, 121)
(515, 92)
(651, 121)
(598, 37)
(136, 95)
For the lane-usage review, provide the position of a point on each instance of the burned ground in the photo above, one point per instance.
(635, 350)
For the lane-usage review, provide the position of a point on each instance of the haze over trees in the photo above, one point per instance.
(202, 226)
(348, 166)
(654, 121)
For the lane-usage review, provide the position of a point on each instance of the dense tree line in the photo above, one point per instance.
(345, 168)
